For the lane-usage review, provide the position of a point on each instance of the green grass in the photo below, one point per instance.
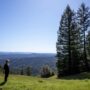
(17, 82)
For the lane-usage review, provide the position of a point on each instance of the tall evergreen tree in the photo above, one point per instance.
(88, 44)
(67, 44)
(83, 19)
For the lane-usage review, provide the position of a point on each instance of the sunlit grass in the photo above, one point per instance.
(17, 82)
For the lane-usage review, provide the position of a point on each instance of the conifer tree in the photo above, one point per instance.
(67, 44)
(88, 44)
(28, 71)
(83, 18)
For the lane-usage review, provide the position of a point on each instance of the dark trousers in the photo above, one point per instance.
(6, 77)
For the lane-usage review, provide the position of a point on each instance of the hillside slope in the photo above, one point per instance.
(34, 60)
(17, 82)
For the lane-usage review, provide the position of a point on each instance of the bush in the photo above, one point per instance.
(46, 71)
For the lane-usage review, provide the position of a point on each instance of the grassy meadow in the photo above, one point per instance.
(17, 82)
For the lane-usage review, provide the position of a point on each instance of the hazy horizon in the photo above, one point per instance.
(27, 52)
(32, 25)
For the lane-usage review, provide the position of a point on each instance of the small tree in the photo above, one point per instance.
(28, 71)
(0, 69)
(22, 71)
(46, 71)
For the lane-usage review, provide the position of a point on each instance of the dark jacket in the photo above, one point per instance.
(6, 68)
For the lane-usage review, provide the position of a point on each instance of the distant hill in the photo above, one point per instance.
(35, 60)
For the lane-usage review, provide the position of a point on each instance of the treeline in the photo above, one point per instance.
(45, 71)
(22, 71)
(19, 71)
(73, 42)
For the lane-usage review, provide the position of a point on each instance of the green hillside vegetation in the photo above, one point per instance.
(20, 82)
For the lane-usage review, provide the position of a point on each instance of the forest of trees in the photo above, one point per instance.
(73, 43)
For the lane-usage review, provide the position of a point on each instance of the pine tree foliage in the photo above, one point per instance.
(73, 45)
(83, 19)
(67, 44)
(88, 44)
(28, 71)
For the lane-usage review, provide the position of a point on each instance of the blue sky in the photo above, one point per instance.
(31, 25)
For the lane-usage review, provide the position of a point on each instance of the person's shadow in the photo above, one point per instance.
(0, 88)
(1, 84)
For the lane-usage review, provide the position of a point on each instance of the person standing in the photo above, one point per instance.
(6, 70)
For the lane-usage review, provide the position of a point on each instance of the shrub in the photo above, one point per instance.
(46, 71)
